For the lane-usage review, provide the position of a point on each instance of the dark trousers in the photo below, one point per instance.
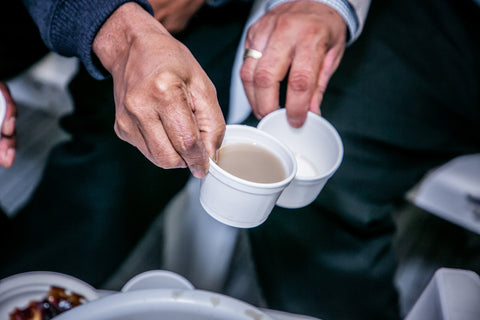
(405, 99)
(99, 194)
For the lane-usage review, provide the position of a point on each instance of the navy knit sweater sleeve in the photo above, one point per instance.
(68, 27)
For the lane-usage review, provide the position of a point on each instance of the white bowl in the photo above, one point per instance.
(19, 290)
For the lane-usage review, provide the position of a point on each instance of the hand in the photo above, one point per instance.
(306, 39)
(8, 139)
(174, 15)
(166, 105)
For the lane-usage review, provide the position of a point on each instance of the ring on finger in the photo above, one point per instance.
(252, 53)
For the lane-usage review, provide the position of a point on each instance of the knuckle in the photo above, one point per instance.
(133, 103)
(165, 82)
(284, 23)
(161, 85)
(187, 145)
(322, 45)
(301, 81)
(246, 74)
(264, 78)
(164, 79)
(121, 127)
(131, 100)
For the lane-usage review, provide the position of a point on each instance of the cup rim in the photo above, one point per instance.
(330, 128)
(220, 173)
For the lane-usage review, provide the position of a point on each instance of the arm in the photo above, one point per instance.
(304, 38)
(8, 138)
(166, 105)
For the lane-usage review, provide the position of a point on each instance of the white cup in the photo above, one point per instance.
(318, 150)
(238, 202)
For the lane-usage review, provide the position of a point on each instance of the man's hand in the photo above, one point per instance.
(304, 38)
(175, 15)
(166, 105)
(8, 138)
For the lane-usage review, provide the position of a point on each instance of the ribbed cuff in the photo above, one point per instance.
(343, 7)
(75, 24)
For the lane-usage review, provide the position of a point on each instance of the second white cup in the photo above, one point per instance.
(318, 150)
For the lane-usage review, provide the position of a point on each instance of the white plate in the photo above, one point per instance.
(180, 301)
(165, 304)
(19, 290)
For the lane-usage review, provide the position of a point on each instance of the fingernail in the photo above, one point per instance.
(198, 173)
(295, 123)
(8, 157)
(10, 125)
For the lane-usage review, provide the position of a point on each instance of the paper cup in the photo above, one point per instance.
(318, 150)
(238, 202)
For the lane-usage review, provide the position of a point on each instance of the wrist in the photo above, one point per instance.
(342, 7)
(114, 39)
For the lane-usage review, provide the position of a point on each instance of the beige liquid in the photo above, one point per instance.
(251, 162)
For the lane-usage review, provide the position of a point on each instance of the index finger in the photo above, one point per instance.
(208, 116)
(269, 72)
(182, 130)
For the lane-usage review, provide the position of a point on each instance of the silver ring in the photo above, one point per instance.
(252, 53)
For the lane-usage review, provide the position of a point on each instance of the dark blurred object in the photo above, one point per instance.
(21, 43)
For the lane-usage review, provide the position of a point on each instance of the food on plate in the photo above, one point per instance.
(57, 301)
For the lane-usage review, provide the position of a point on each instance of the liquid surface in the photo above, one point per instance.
(251, 162)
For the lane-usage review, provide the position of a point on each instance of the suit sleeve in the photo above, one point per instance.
(68, 27)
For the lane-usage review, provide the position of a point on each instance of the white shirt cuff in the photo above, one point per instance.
(343, 7)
